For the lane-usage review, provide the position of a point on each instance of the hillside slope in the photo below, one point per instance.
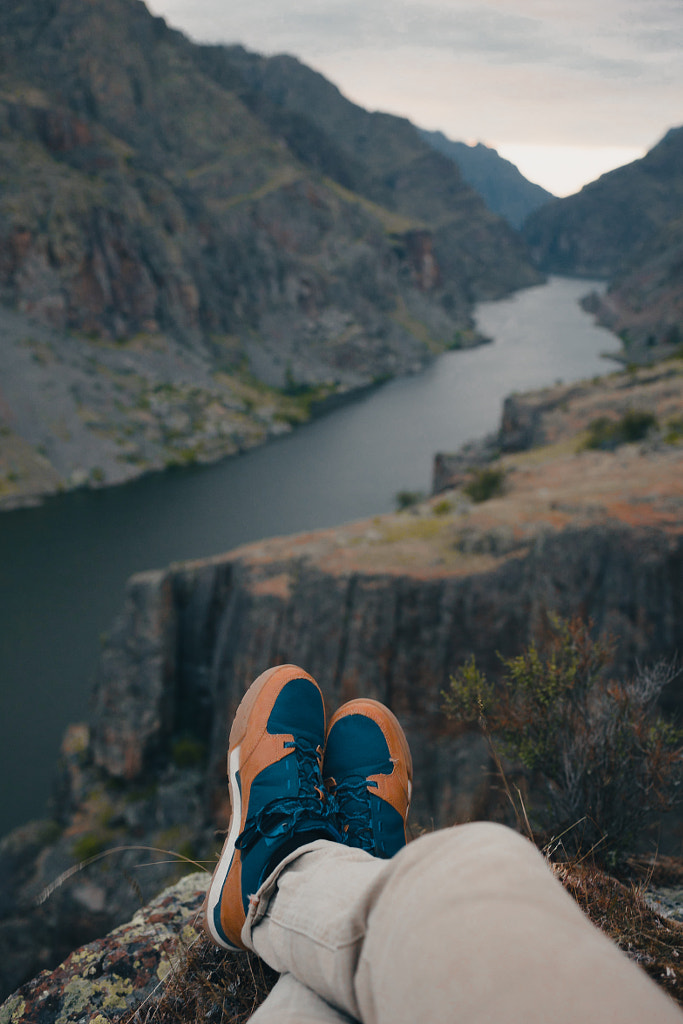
(182, 243)
(146, 190)
(384, 159)
(601, 229)
(501, 184)
(644, 303)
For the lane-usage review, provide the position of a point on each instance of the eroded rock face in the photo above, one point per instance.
(150, 770)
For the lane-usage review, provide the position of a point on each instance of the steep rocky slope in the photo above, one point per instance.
(385, 160)
(644, 303)
(626, 227)
(180, 220)
(504, 188)
(386, 608)
(142, 198)
(78, 412)
(601, 229)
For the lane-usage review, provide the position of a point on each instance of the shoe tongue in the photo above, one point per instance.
(299, 704)
(356, 746)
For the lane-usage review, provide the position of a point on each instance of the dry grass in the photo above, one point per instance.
(210, 985)
(619, 909)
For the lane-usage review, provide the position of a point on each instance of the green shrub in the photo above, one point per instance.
(608, 760)
(633, 426)
(442, 508)
(674, 430)
(486, 483)
(50, 831)
(407, 499)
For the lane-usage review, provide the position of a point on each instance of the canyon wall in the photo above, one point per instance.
(192, 638)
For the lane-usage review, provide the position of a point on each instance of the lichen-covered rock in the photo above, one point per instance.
(104, 979)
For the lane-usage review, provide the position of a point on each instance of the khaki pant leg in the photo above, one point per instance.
(465, 925)
(290, 1002)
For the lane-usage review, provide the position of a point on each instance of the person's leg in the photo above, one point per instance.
(278, 750)
(465, 924)
(290, 1002)
(280, 803)
(277, 796)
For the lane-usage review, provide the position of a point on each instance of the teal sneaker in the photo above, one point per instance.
(369, 770)
(277, 794)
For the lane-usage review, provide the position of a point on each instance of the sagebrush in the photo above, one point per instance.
(633, 426)
(608, 759)
(485, 483)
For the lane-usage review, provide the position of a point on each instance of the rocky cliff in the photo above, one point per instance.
(625, 227)
(386, 608)
(118, 972)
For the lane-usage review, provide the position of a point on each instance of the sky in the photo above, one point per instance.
(566, 89)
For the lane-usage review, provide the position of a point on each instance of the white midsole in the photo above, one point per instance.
(228, 851)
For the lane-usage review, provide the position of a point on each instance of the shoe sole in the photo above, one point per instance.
(238, 732)
(361, 704)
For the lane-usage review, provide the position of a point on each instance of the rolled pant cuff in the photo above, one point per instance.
(259, 901)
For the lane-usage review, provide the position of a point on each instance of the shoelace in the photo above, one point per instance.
(355, 812)
(280, 817)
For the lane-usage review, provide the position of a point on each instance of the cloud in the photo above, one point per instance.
(613, 35)
(513, 28)
(573, 72)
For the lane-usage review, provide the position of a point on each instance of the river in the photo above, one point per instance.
(63, 565)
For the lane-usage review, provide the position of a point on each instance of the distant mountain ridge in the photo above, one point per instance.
(626, 227)
(598, 231)
(502, 185)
